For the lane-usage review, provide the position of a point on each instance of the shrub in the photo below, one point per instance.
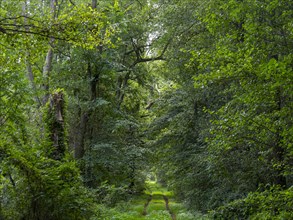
(273, 203)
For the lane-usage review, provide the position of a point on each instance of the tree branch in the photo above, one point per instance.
(140, 59)
(44, 34)
(72, 2)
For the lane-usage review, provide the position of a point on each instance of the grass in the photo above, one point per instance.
(154, 188)
(156, 209)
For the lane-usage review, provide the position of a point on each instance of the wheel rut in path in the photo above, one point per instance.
(144, 213)
(173, 216)
(146, 205)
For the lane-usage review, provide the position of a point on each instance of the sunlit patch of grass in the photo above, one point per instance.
(154, 188)
(169, 194)
(156, 192)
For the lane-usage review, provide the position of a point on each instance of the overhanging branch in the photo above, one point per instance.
(140, 59)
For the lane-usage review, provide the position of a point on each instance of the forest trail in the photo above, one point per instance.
(173, 215)
(158, 199)
(156, 203)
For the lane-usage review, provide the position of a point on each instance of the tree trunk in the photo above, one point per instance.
(94, 3)
(28, 64)
(84, 130)
(46, 74)
(49, 58)
(79, 148)
(122, 84)
(278, 150)
(55, 125)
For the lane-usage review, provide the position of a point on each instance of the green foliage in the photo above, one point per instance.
(79, 25)
(37, 175)
(110, 195)
(136, 209)
(273, 203)
(32, 185)
(40, 188)
(232, 131)
(200, 90)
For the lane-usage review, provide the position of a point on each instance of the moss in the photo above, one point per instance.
(55, 125)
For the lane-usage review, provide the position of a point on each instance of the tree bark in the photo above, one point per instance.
(49, 57)
(94, 3)
(56, 128)
(84, 130)
(28, 64)
(79, 148)
(46, 74)
(278, 150)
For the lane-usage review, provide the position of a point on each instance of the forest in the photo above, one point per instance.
(146, 109)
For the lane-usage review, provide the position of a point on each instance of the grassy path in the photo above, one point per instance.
(157, 203)
(173, 215)
(160, 201)
(146, 205)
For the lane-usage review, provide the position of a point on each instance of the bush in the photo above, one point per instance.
(274, 203)
(43, 189)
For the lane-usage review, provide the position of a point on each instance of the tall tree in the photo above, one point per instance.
(33, 186)
(237, 52)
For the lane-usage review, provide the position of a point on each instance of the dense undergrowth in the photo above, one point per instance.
(273, 203)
